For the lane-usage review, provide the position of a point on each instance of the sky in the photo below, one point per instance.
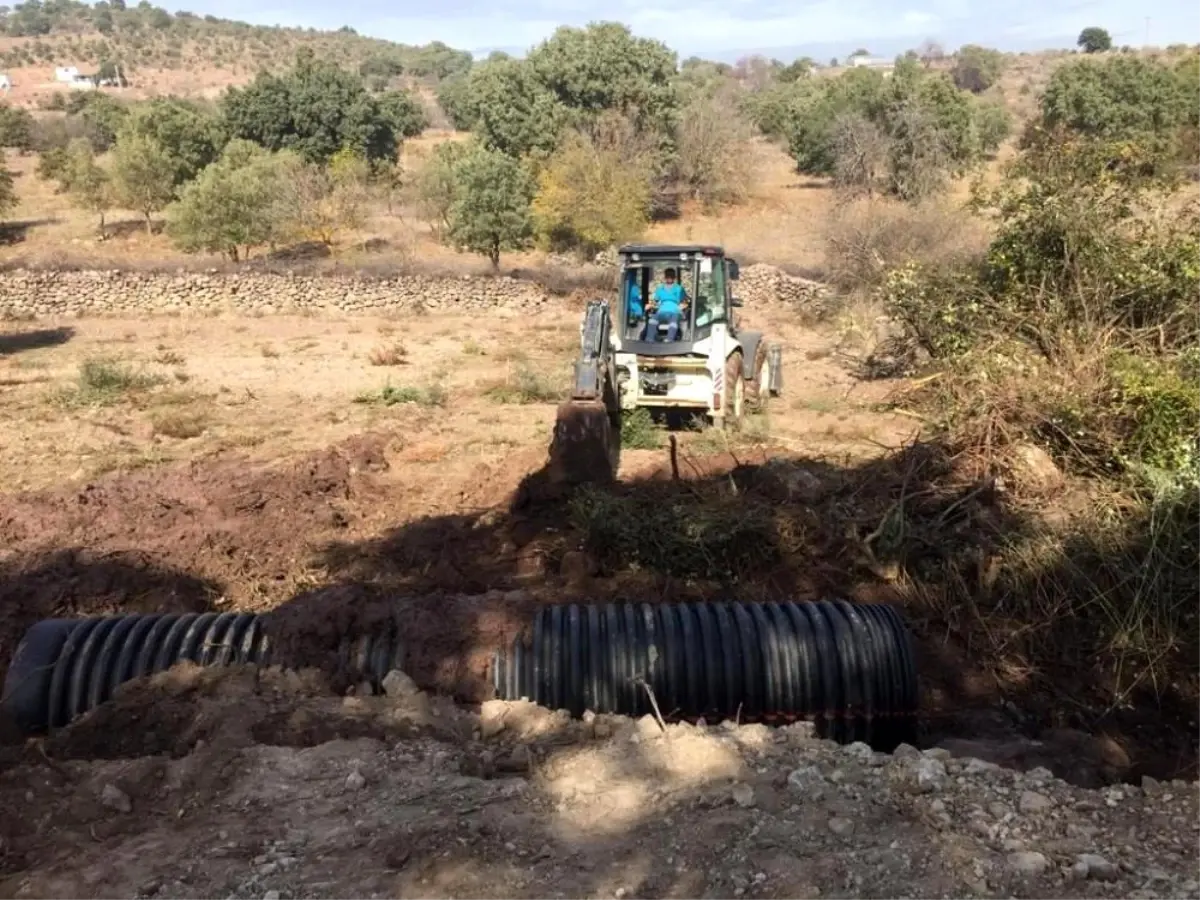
(728, 29)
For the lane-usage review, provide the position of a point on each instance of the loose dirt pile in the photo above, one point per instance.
(239, 784)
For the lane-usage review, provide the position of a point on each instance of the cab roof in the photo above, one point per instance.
(671, 249)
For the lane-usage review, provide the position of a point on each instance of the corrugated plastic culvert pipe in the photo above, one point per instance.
(65, 667)
(848, 668)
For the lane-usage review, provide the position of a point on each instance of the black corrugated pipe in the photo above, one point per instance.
(64, 667)
(849, 668)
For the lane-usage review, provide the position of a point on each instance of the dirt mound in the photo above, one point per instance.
(241, 785)
(177, 539)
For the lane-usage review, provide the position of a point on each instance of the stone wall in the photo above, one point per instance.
(28, 293)
(763, 284)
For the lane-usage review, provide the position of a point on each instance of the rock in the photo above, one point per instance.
(1032, 802)
(491, 718)
(271, 895)
(116, 799)
(807, 780)
(841, 827)
(355, 781)
(1028, 862)
(398, 685)
(931, 774)
(1034, 468)
(1095, 866)
(743, 795)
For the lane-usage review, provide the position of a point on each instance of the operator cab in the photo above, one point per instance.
(703, 273)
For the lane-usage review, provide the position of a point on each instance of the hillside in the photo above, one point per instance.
(184, 54)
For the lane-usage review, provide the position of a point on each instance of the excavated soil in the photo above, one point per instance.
(300, 784)
(250, 784)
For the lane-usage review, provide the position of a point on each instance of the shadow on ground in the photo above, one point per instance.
(22, 341)
(15, 232)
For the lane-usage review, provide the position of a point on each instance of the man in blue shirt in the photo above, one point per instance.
(635, 311)
(667, 304)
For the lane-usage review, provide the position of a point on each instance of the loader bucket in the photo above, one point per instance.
(586, 445)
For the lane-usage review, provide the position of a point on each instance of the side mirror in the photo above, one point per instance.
(736, 302)
(733, 269)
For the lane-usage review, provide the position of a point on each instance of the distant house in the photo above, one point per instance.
(873, 62)
(5, 83)
(66, 74)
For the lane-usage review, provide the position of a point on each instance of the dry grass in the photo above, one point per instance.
(865, 239)
(394, 354)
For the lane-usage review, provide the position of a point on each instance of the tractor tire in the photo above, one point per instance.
(758, 387)
(733, 404)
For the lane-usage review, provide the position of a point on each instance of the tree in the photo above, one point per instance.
(714, 149)
(228, 208)
(930, 52)
(454, 97)
(491, 211)
(977, 68)
(510, 109)
(16, 127)
(8, 190)
(437, 187)
(405, 113)
(993, 124)
(927, 125)
(190, 136)
(316, 109)
(589, 197)
(350, 175)
(102, 116)
(604, 67)
(1094, 40)
(797, 69)
(143, 175)
(86, 183)
(1123, 98)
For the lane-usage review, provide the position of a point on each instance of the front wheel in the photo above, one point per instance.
(733, 401)
(758, 387)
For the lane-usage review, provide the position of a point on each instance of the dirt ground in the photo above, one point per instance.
(336, 470)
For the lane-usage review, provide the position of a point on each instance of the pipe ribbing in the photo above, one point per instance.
(848, 668)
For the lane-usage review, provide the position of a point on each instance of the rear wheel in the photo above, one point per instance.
(758, 387)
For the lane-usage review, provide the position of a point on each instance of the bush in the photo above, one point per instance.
(16, 127)
(977, 68)
(1123, 98)
(228, 208)
(868, 239)
(904, 135)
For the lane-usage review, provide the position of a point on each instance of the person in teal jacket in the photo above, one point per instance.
(666, 307)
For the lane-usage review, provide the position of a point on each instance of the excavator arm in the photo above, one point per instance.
(587, 430)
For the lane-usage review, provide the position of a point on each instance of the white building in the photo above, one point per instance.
(5, 83)
(66, 74)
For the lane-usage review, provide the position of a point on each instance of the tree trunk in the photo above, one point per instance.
(149, 224)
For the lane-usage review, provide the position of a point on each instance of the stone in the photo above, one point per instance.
(743, 795)
(397, 685)
(1028, 862)
(115, 799)
(356, 781)
(1032, 802)
(841, 827)
(1096, 866)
